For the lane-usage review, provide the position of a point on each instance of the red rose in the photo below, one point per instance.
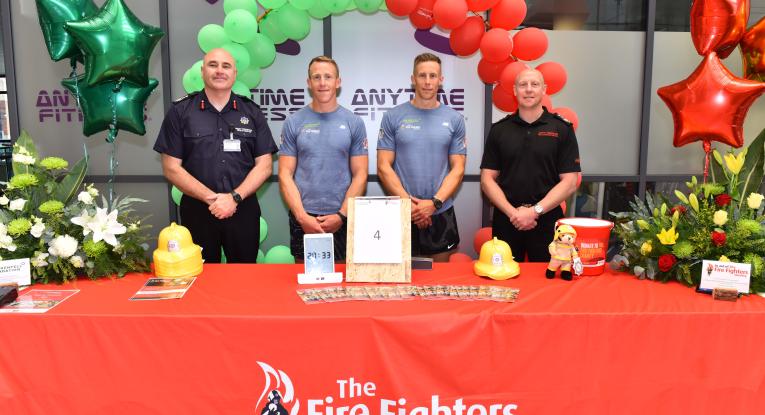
(722, 200)
(666, 262)
(718, 238)
(678, 208)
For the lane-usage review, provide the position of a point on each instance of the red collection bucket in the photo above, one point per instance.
(591, 241)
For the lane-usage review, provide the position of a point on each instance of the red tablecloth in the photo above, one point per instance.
(598, 345)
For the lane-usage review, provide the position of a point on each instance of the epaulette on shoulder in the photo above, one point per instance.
(183, 98)
(562, 118)
(246, 98)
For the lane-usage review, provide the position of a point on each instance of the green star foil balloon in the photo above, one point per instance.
(116, 44)
(101, 103)
(53, 14)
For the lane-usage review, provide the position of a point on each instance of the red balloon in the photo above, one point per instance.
(466, 39)
(570, 115)
(555, 76)
(529, 44)
(460, 257)
(718, 25)
(508, 14)
(401, 7)
(450, 14)
(547, 102)
(481, 236)
(496, 45)
(507, 77)
(502, 100)
(422, 16)
(753, 52)
(481, 5)
(489, 71)
(711, 104)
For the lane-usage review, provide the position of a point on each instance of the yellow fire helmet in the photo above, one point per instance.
(496, 261)
(176, 254)
(564, 229)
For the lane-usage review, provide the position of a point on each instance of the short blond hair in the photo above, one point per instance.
(323, 59)
(425, 57)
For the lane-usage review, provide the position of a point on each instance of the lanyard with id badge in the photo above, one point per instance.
(232, 144)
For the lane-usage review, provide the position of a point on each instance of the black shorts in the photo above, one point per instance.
(439, 237)
(296, 239)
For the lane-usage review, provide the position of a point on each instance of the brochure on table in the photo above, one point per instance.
(16, 271)
(38, 301)
(164, 288)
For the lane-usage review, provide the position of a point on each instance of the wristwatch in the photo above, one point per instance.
(342, 217)
(538, 209)
(438, 203)
(237, 198)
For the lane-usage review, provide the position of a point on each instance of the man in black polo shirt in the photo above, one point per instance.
(530, 165)
(216, 148)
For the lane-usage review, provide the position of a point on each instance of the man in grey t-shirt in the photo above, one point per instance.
(322, 160)
(421, 155)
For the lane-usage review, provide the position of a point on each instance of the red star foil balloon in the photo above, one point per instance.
(718, 25)
(711, 104)
(753, 52)
(116, 44)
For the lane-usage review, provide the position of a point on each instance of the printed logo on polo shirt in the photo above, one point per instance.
(342, 127)
(547, 134)
(311, 128)
(410, 124)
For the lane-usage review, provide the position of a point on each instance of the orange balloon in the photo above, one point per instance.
(422, 16)
(508, 75)
(460, 257)
(401, 7)
(555, 76)
(502, 100)
(547, 102)
(507, 14)
(496, 45)
(489, 71)
(718, 25)
(568, 114)
(481, 236)
(711, 104)
(529, 44)
(450, 14)
(466, 39)
(753, 52)
(481, 5)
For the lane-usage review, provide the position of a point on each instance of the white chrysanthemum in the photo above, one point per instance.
(105, 227)
(85, 198)
(4, 200)
(40, 259)
(62, 246)
(77, 261)
(17, 204)
(23, 159)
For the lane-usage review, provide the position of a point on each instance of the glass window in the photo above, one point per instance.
(614, 15)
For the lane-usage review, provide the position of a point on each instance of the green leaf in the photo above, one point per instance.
(25, 141)
(71, 182)
(753, 166)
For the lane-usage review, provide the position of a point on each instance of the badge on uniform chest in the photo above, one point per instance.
(232, 145)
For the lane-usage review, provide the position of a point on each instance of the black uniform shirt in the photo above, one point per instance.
(530, 157)
(193, 131)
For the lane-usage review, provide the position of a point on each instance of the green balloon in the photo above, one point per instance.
(270, 27)
(263, 229)
(384, 6)
(98, 104)
(192, 80)
(212, 36)
(279, 254)
(318, 11)
(351, 6)
(250, 77)
(176, 194)
(116, 44)
(368, 6)
(272, 4)
(294, 23)
(240, 54)
(303, 4)
(335, 6)
(262, 51)
(53, 14)
(223, 259)
(249, 5)
(240, 26)
(261, 257)
(240, 88)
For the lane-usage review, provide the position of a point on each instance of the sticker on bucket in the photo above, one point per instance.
(591, 242)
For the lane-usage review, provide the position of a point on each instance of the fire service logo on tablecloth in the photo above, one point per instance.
(278, 398)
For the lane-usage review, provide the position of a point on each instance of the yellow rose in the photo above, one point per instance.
(646, 248)
(720, 218)
(754, 200)
(724, 258)
(668, 236)
(735, 163)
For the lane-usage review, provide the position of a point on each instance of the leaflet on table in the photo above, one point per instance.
(38, 301)
(16, 270)
(164, 288)
(717, 274)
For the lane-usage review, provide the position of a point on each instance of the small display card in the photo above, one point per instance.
(319, 260)
(377, 231)
(16, 270)
(716, 274)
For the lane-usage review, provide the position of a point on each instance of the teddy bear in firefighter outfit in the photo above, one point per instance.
(563, 253)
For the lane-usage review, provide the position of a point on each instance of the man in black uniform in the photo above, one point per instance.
(530, 165)
(216, 148)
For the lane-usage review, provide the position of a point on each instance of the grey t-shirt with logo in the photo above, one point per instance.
(323, 143)
(423, 140)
